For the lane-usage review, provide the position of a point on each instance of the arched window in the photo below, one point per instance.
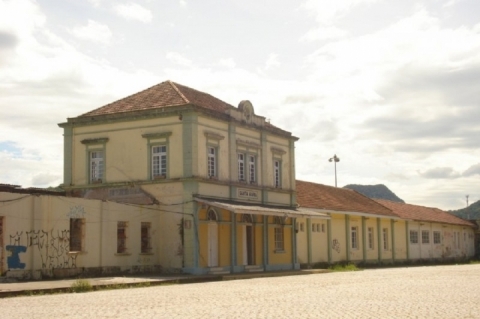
(212, 215)
(247, 218)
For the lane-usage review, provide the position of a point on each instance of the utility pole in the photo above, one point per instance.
(335, 159)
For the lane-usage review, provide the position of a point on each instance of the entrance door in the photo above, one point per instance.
(248, 245)
(212, 244)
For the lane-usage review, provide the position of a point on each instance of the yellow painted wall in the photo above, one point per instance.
(126, 152)
(42, 223)
(284, 257)
(372, 254)
(203, 244)
(338, 238)
(259, 244)
(214, 190)
(224, 245)
(400, 240)
(356, 254)
(279, 198)
(386, 254)
(302, 240)
(319, 242)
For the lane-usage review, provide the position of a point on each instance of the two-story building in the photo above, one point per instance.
(222, 178)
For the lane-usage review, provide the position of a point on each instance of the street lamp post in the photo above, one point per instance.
(335, 159)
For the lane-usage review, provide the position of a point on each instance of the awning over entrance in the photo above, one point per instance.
(261, 210)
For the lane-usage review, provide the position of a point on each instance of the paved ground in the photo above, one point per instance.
(421, 292)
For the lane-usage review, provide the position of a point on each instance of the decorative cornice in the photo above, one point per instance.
(157, 135)
(213, 136)
(100, 140)
(277, 151)
(248, 144)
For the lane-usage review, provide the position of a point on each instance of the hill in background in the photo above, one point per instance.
(379, 191)
(470, 212)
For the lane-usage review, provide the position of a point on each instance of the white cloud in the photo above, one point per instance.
(93, 31)
(95, 3)
(177, 58)
(440, 173)
(228, 63)
(327, 11)
(323, 33)
(272, 61)
(183, 3)
(47, 179)
(472, 170)
(64, 84)
(133, 11)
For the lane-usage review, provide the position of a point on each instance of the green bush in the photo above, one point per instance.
(347, 267)
(81, 285)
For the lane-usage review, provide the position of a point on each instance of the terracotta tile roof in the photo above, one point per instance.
(312, 195)
(162, 95)
(422, 213)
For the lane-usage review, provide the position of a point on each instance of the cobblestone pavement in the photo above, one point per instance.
(417, 292)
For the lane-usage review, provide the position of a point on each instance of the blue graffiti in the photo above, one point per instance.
(13, 261)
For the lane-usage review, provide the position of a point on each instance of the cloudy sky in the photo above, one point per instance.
(391, 87)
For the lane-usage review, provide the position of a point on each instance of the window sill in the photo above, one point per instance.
(148, 254)
(156, 177)
(77, 252)
(123, 254)
(280, 251)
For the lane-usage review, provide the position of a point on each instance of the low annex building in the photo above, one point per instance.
(359, 229)
(376, 231)
(433, 233)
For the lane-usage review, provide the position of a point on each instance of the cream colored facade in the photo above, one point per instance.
(348, 237)
(374, 239)
(37, 237)
(439, 241)
(211, 157)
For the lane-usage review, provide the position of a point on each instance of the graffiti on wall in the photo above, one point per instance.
(53, 248)
(336, 245)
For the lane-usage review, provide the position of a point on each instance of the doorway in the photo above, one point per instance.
(212, 239)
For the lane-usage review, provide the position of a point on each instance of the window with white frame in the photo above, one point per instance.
(121, 237)
(145, 240)
(159, 161)
(323, 228)
(318, 227)
(437, 239)
(425, 237)
(370, 238)
(385, 238)
(413, 237)
(279, 235)
(354, 237)
(276, 173)
(313, 227)
(77, 231)
(252, 169)
(212, 161)
(96, 166)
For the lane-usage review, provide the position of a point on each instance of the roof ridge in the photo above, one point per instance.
(174, 86)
